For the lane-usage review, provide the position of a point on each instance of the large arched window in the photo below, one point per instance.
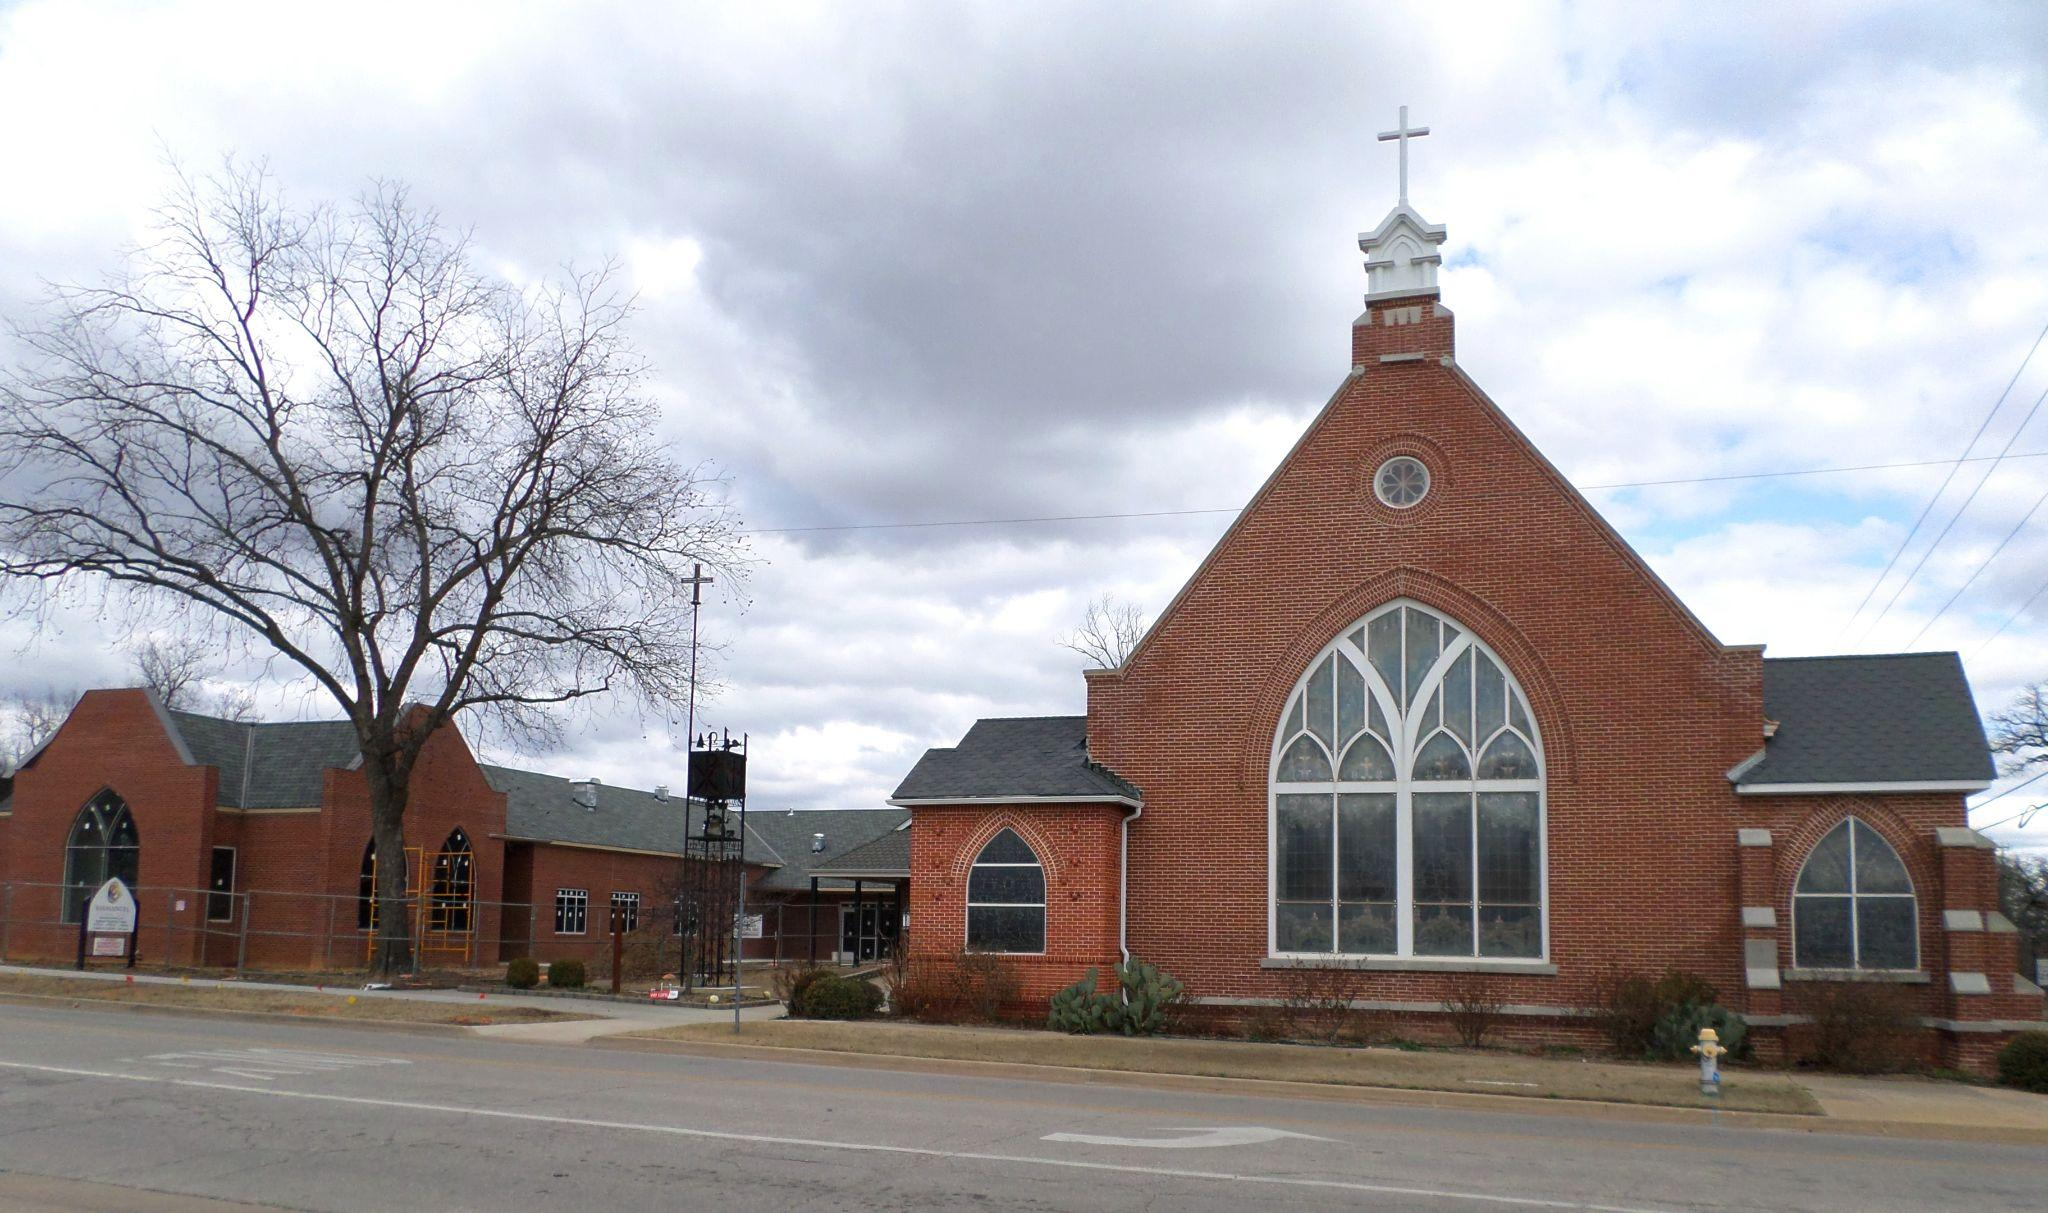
(103, 844)
(1853, 905)
(1407, 811)
(1006, 897)
(453, 887)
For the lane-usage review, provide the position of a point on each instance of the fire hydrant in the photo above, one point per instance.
(1710, 1050)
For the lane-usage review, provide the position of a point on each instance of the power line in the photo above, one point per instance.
(2010, 620)
(1626, 484)
(1979, 570)
(1967, 447)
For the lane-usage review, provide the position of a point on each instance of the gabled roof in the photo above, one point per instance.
(267, 766)
(1022, 758)
(1898, 720)
(888, 855)
(845, 831)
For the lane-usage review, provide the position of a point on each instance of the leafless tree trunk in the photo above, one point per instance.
(1108, 633)
(325, 432)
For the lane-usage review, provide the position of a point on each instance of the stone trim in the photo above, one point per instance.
(1761, 918)
(1752, 837)
(1969, 983)
(1961, 836)
(1413, 964)
(1760, 964)
(1915, 977)
(1965, 1026)
(1962, 920)
(1999, 924)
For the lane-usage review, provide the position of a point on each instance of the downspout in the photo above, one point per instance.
(1123, 894)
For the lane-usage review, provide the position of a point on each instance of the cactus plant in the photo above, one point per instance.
(1080, 1010)
(1148, 996)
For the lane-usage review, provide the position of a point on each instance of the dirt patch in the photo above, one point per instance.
(225, 996)
(1470, 1071)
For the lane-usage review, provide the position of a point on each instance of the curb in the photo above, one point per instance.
(1534, 1105)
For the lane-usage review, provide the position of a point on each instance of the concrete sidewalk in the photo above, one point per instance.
(604, 1017)
(1905, 1100)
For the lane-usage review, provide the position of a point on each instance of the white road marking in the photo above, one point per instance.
(266, 1064)
(1235, 1135)
(1286, 1181)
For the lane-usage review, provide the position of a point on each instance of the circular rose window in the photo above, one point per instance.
(1401, 482)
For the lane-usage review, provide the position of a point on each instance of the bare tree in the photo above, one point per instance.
(31, 717)
(1108, 632)
(172, 666)
(2019, 730)
(325, 432)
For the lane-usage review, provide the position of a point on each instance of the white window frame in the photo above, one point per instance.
(1405, 724)
(577, 900)
(630, 902)
(969, 905)
(1854, 896)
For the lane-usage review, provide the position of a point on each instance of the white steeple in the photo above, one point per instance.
(1401, 253)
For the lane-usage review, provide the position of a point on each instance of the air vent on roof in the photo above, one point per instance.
(584, 791)
(661, 792)
(817, 843)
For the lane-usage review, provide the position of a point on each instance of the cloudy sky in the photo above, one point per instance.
(943, 263)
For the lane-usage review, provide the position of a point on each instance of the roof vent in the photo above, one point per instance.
(817, 843)
(584, 791)
(661, 792)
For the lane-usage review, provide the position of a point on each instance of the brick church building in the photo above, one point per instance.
(1423, 714)
(248, 844)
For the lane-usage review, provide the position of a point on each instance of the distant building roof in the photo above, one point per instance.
(887, 856)
(1856, 721)
(845, 831)
(1015, 758)
(267, 766)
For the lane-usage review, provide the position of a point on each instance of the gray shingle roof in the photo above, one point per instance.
(845, 831)
(1894, 718)
(268, 766)
(1022, 757)
(888, 855)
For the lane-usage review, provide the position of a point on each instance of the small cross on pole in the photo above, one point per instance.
(1404, 133)
(697, 580)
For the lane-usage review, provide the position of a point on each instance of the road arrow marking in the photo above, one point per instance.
(1234, 1135)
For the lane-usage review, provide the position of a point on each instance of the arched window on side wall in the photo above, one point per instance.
(1853, 905)
(103, 845)
(1006, 898)
(454, 885)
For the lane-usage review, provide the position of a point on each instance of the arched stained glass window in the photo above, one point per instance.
(103, 845)
(1006, 897)
(1853, 905)
(1428, 839)
(454, 886)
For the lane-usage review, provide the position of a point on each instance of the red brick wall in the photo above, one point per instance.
(1078, 845)
(600, 874)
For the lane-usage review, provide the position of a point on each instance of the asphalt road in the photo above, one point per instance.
(316, 1117)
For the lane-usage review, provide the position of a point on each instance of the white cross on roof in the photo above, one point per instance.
(1404, 133)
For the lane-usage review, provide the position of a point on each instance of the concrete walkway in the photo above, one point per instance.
(604, 1017)
(1924, 1101)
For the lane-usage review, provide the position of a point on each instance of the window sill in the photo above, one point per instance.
(1414, 964)
(1904, 977)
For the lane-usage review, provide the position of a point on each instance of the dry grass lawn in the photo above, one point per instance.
(226, 996)
(1472, 1072)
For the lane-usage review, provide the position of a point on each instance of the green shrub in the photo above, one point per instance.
(1679, 1030)
(834, 997)
(1145, 998)
(1079, 1010)
(2023, 1062)
(1857, 1027)
(792, 984)
(1630, 1007)
(567, 975)
(523, 973)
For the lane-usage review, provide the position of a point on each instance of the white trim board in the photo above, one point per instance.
(921, 802)
(1818, 789)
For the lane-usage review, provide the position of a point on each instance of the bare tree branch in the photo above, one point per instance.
(1108, 632)
(325, 432)
(2019, 730)
(30, 719)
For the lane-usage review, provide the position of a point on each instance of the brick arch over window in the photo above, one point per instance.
(1855, 904)
(1008, 819)
(1546, 702)
(1795, 847)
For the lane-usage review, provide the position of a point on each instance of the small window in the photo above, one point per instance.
(220, 886)
(572, 911)
(1401, 482)
(1006, 898)
(1853, 905)
(626, 911)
